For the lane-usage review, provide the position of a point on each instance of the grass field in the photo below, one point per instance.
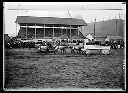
(26, 69)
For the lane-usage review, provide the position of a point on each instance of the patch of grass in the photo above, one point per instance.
(26, 69)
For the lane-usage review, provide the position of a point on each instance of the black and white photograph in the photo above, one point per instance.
(64, 46)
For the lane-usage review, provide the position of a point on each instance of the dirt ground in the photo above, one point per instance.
(26, 69)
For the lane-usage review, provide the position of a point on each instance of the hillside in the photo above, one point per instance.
(105, 28)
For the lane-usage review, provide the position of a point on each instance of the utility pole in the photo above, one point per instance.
(119, 15)
(109, 18)
(4, 17)
(19, 10)
(94, 28)
(17, 23)
(70, 25)
(115, 27)
(103, 20)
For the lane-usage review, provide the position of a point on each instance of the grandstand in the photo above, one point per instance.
(48, 27)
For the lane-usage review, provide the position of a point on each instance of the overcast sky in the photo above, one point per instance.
(88, 11)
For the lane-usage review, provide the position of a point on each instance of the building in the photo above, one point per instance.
(29, 27)
(100, 38)
(115, 38)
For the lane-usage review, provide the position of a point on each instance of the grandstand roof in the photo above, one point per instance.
(50, 20)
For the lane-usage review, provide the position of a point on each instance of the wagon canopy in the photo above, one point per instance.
(50, 20)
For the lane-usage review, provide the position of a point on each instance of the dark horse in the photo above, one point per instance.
(76, 49)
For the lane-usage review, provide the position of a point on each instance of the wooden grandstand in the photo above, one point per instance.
(48, 27)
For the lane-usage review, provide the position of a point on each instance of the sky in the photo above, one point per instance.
(88, 11)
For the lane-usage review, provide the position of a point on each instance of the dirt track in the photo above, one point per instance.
(26, 69)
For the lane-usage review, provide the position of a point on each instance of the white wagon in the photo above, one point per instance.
(104, 49)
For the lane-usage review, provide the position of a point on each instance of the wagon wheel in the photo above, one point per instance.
(82, 52)
(55, 50)
(87, 52)
(105, 51)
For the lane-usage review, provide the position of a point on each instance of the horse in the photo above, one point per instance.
(16, 44)
(8, 45)
(25, 44)
(76, 48)
(31, 45)
(62, 48)
(114, 45)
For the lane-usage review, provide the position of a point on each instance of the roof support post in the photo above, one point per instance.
(78, 32)
(53, 32)
(66, 29)
(115, 29)
(61, 30)
(44, 31)
(81, 29)
(70, 31)
(35, 31)
(16, 29)
(94, 28)
(26, 31)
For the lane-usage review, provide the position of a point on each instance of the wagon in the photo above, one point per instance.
(46, 49)
(104, 49)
